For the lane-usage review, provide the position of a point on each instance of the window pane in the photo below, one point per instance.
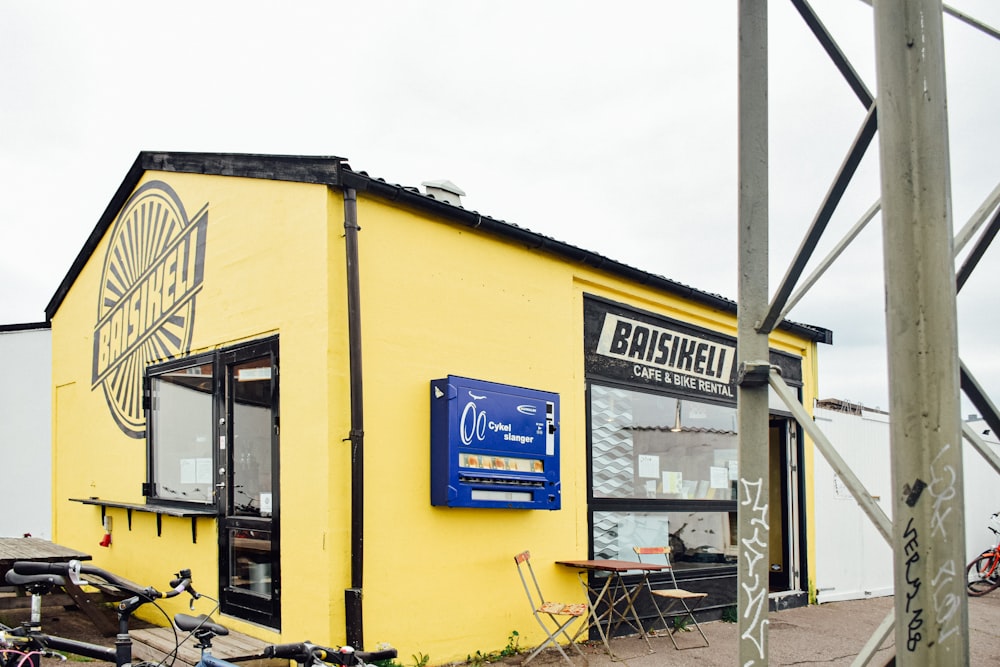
(250, 564)
(180, 420)
(251, 383)
(698, 539)
(651, 446)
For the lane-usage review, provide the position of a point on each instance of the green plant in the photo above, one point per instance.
(511, 648)
(420, 659)
(681, 624)
(729, 614)
(478, 659)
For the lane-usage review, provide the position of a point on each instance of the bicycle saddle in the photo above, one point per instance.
(199, 623)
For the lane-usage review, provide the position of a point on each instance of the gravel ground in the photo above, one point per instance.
(828, 634)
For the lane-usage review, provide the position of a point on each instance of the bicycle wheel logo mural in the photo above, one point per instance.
(153, 270)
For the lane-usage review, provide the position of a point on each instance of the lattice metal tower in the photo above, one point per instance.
(908, 114)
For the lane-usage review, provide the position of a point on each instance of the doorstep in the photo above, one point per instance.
(787, 600)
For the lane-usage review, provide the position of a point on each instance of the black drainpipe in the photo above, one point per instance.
(354, 629)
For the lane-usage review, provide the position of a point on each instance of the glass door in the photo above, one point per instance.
(248, 441)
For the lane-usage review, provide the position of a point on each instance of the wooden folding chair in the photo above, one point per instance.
(671, 596)
(555, 611)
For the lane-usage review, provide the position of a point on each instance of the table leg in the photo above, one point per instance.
(588, 591)
(625, 596)
(89, 607)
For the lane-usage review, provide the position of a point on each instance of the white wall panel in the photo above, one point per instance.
(25, 433)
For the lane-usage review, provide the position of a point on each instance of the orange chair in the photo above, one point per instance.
(555, 611)
(672, 596)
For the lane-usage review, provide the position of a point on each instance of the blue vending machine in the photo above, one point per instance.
(494, 445)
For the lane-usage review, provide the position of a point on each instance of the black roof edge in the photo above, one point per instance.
(534, 240)
(334, 171)
(24, 326)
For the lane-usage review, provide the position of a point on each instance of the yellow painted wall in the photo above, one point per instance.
(437, 299)
(265, 273)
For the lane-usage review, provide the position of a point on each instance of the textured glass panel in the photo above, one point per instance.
(611, 441)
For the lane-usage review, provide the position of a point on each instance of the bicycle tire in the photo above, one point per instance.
(982, 575)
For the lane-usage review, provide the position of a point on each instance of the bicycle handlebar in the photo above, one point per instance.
(307, 652)
(74, 568)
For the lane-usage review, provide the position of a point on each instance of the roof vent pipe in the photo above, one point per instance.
(445, 191)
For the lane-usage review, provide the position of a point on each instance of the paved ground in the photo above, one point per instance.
(828, 634)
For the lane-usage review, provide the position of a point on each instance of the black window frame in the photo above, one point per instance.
(596, 504)
(152, 371)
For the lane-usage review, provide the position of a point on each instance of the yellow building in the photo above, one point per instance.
(243, 358)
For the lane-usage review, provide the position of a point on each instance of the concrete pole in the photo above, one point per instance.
(928, 523)
(752, 347)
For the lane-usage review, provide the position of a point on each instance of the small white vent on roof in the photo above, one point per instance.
(444, 191)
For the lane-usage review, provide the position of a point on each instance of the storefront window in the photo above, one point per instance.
(664, 472)
(653, 446)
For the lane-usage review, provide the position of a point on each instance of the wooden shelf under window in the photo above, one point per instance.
(159, 510)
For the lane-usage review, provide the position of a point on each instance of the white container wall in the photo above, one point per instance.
(981, 498)
(25, 431)
(852, 559)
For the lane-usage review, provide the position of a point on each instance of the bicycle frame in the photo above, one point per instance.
(982, 575)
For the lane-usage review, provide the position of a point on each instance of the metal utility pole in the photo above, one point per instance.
(752, 347)
(928, 523)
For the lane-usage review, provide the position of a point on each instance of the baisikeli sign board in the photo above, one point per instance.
(153, 269)
(638, 347)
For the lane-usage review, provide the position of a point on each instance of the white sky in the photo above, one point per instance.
(611, 129)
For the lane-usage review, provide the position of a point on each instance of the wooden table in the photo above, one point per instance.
(614, 592)
(35, 549)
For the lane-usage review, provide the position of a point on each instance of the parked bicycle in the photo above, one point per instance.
(25, 644)
(982, 575)
(305, 653)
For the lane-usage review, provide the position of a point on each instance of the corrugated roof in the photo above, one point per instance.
(336, 172)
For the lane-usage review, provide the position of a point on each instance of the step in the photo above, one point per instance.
(154, 644)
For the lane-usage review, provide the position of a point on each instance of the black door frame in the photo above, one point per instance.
(249, 605)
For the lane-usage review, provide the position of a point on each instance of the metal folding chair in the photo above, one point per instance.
(672, 596)
(555, 611)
